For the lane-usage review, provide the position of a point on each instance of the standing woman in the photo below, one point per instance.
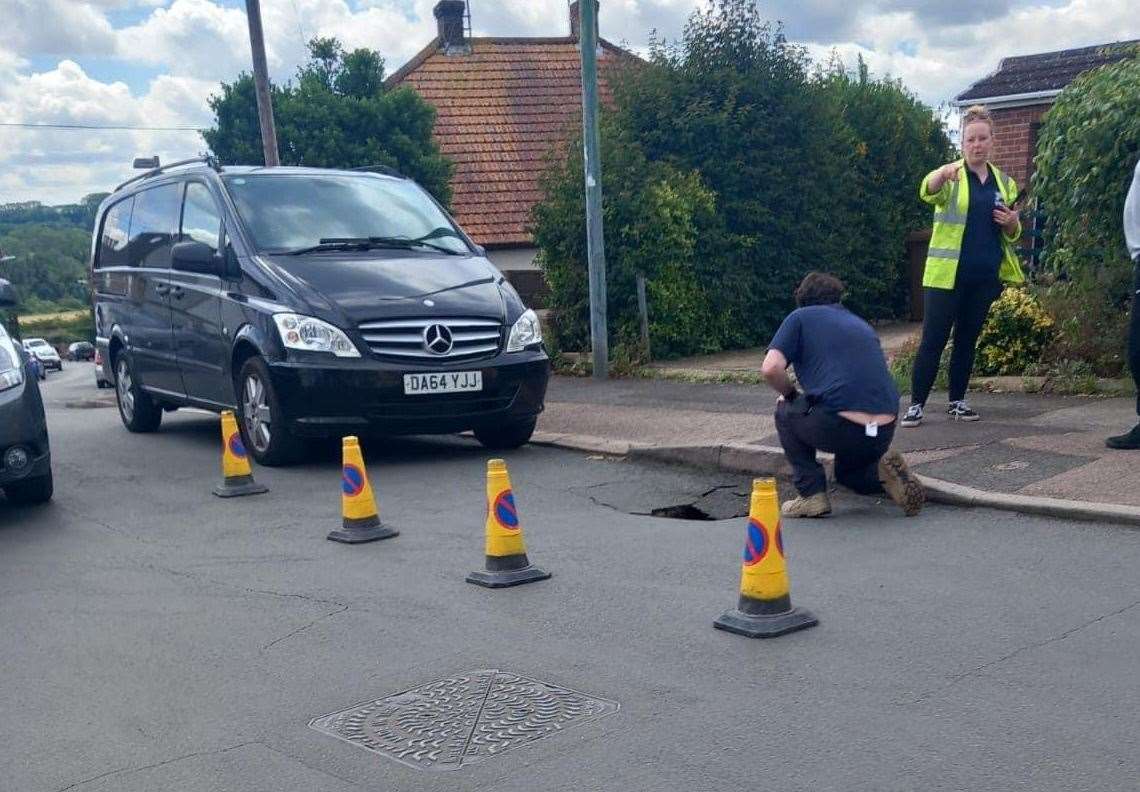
(971, 255)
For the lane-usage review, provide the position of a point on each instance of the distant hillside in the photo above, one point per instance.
(81, 214)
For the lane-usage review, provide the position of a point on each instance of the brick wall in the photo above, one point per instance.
(1014, 140)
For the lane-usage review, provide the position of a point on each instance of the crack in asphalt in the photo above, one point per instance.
(308, 766)
(122, 770)
(1019, 650)
(299, 630)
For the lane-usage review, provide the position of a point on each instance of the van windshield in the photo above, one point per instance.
(291, 212)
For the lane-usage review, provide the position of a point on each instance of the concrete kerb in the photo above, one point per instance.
(770, 461)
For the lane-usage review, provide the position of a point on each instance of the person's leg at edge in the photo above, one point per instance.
(1131, 439)
(809, 477)
(973, 308)
(939, 309)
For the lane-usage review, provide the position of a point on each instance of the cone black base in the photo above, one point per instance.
(236, 486)
(359, 531)
(507, 577)
(765, 625)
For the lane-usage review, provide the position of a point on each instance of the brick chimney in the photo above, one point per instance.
(449, 19)
(576, 19)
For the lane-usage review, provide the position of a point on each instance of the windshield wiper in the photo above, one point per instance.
(368, 243)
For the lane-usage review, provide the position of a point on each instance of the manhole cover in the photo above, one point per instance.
(458, 720)
(1015, 465)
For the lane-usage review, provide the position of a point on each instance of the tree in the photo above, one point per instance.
(898, 140)
(337, 115)
(799, 180)
(49, 261)
(1087, 149)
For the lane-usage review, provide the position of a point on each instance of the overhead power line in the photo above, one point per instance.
(100, 127)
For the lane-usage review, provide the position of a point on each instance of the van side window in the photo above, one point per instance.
(154, 224)
(113, 241)
(201, 221)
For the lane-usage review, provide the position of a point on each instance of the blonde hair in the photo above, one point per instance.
(977, 113)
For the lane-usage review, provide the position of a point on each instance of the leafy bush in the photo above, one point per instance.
(902, 366)
(1091, 330)
(1086, 152)
(1016, 335)
(756, 169)
(652, 218)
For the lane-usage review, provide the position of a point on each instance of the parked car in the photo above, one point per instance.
(80, 350)
(314, 302)
(25, 456)
(45, 352)
(101, 380)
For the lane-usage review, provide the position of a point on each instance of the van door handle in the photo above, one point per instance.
(162, 288)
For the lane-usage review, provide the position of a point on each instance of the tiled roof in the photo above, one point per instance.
(501, 107)
(1046, 71)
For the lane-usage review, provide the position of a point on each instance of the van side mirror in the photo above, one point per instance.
(8, 296)
(480, 250)
(196, 257)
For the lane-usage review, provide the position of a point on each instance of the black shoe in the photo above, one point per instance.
(1126, 442)
(960, 411)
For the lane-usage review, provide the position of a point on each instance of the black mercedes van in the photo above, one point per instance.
(314, 303)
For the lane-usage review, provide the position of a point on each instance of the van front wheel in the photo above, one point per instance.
(263, 426)
(506, 435)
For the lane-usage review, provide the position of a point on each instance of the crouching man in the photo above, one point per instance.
(848, 406)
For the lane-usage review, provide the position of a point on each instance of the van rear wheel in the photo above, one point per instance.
(264, 429)
(136, 408)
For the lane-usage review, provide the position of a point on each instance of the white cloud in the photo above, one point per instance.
(61, 165)
(196, 38)
(938, 50)
(55, 27)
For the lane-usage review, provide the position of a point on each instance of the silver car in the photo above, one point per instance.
(45, 352)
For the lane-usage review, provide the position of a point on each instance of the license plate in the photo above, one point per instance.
(450, 382)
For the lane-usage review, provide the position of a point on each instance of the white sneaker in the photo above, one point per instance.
(960, 411)
(913, 417)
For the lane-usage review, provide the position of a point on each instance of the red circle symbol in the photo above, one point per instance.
(505, 512)
(351, 480)
(757, 544)
(237, 447)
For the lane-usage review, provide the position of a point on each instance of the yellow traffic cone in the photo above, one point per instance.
(237, 478)
(765, 608)
(507, 564)
(360, 522)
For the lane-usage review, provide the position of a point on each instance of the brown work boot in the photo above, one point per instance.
(902, 485)
(818, 505)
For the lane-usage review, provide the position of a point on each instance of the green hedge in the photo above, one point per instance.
(731, 167)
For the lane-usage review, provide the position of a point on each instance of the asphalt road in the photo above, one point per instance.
(158, 638)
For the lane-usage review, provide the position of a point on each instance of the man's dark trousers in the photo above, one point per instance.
(1134, 331)
(804, 429)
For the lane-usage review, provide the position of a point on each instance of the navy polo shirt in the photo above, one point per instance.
(981, 254)
(838, 359)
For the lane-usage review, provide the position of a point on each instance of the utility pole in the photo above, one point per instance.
(595, 247)
(261, 83)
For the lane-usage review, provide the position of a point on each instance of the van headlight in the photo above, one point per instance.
(313, 335)
(11, 369)
(527, 331)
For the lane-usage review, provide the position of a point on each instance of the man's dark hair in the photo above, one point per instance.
(819, 288)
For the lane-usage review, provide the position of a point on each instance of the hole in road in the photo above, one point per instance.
(686, 511)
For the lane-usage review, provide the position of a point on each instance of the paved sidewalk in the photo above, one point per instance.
(1031, 452)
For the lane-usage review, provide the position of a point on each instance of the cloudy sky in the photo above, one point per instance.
(153, 63)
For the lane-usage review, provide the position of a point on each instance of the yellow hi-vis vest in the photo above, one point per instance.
(951, 204)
